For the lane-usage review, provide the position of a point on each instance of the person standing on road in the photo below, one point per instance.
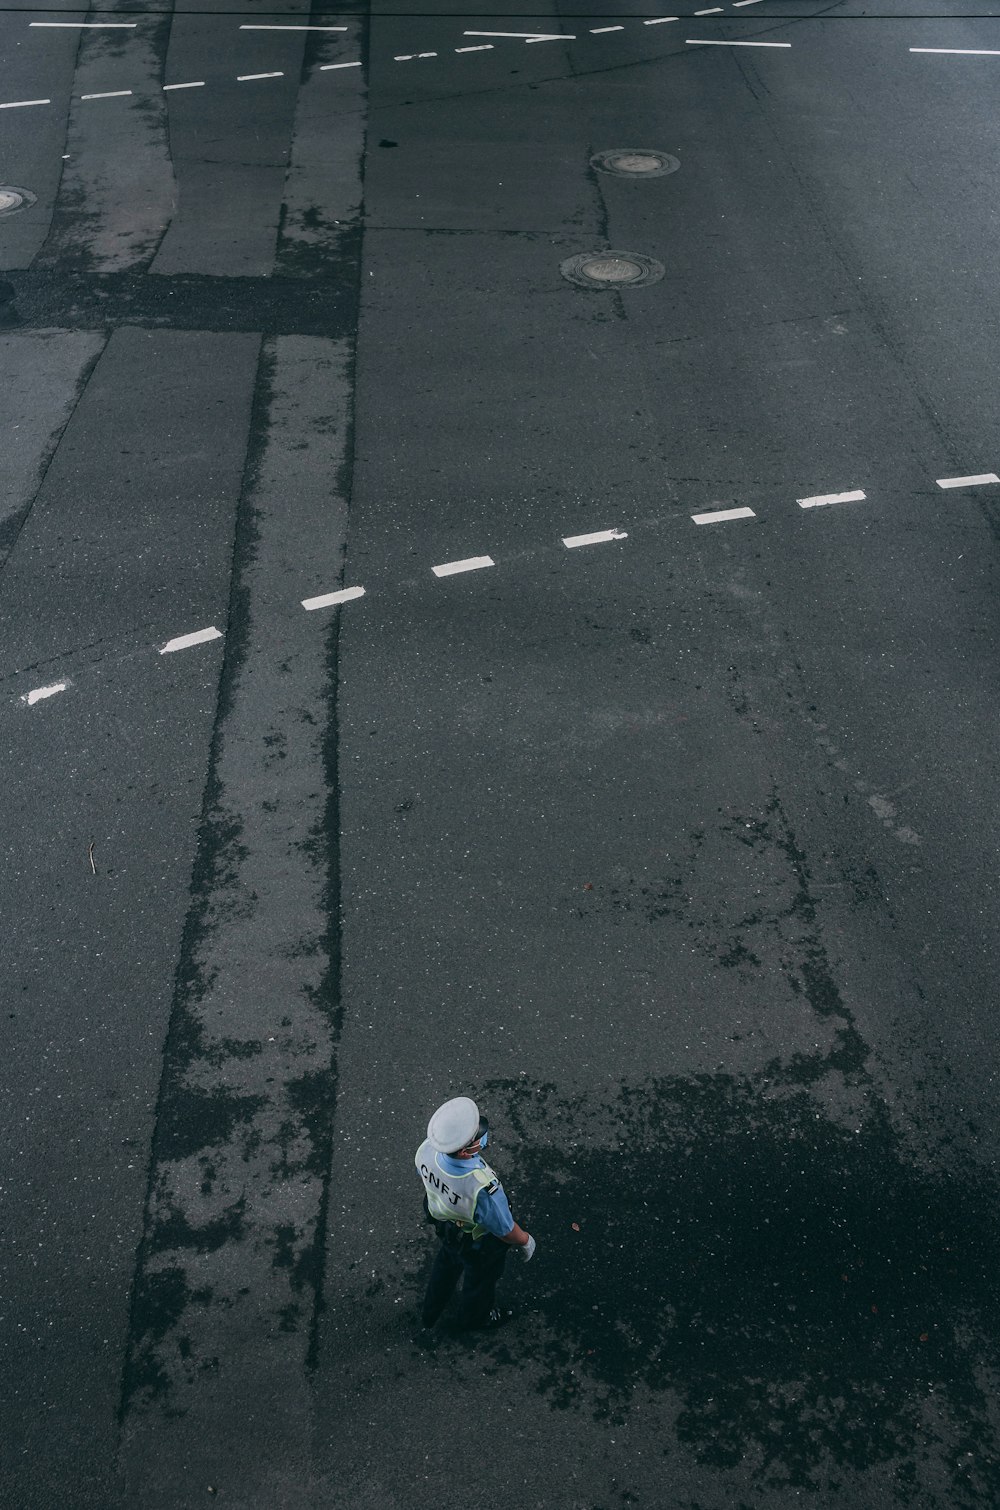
(466, 1202)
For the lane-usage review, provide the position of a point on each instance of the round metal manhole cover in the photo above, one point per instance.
(611, 269)
(12, 200)
(635, 162)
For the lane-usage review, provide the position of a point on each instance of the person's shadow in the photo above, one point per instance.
(798, 1286)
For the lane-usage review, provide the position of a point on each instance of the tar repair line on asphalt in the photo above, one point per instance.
(478, 563)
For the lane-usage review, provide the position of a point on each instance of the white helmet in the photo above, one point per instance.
(454, 1125)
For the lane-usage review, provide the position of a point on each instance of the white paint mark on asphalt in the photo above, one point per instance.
(962, 52)
(327, 599)
(195, 84)
(597, 538)
(967, 482)
(426, 54)
(661, 20)
(89, 25)
(720, 516)
(185, 641)
(715, 11)
(403, 57)
(526, 36)
(738, 3)
(482, 47)
(20, 104)
(452, 568)
(597, 31)
(36, 696)
(716, 42)
(325, 67)
(822, 499)
(244, 78)
(110, 94)
(292, 28)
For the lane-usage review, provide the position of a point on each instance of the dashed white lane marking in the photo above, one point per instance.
(967, 482)
(597, 538)
(452, 568)
(963, 52)
(597, 31)
(327, 599)
(720, 516)
(36, 696)
(661, 20)
(716, 42)
(292, 28)
(88, 25)
(110, 94)
(525, 36)
(426, 54)
(185, 641)
(21, 104)
(715, 11)
(738, 3)
(822, 499)
(482, 47)
(194, 84)
(244, 78)
(326, 67)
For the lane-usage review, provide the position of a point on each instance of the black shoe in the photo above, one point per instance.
(498, 1316)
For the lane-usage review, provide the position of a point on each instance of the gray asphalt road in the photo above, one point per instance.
(677, 849)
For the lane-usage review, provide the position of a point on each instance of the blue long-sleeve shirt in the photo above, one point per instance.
(492, 1208)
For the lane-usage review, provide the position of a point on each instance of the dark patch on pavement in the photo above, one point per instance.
(807, 1293)
(69, 298)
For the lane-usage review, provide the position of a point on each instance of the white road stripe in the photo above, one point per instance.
(483, 47)
(327, 599)
(527, 36)
(963, 52)
(185, 641)
(719, 516)
(597, 538)
(661, 20)
(452, 568)
(404, 57)
(564, 37)
(710, 42)
(325, 67)
(89, 25)
(596, 31)
(36, 696)
(244, 78)
(195, 84)
(20, 104)
(822, 499)
(716, 9)
(292, 28)
(111, 94)
(426, 54)
(967, 482)
(738, 3)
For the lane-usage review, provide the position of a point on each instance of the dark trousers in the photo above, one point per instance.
(479, 1267)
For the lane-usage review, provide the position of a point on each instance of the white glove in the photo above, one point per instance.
(528, 1251)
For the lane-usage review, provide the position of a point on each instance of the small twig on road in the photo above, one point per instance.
(90, 856)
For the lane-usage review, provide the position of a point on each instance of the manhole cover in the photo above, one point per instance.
(635, 162)
(12, 199)
(611, 269)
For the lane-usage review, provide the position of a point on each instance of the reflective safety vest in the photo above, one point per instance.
(452, 1197)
